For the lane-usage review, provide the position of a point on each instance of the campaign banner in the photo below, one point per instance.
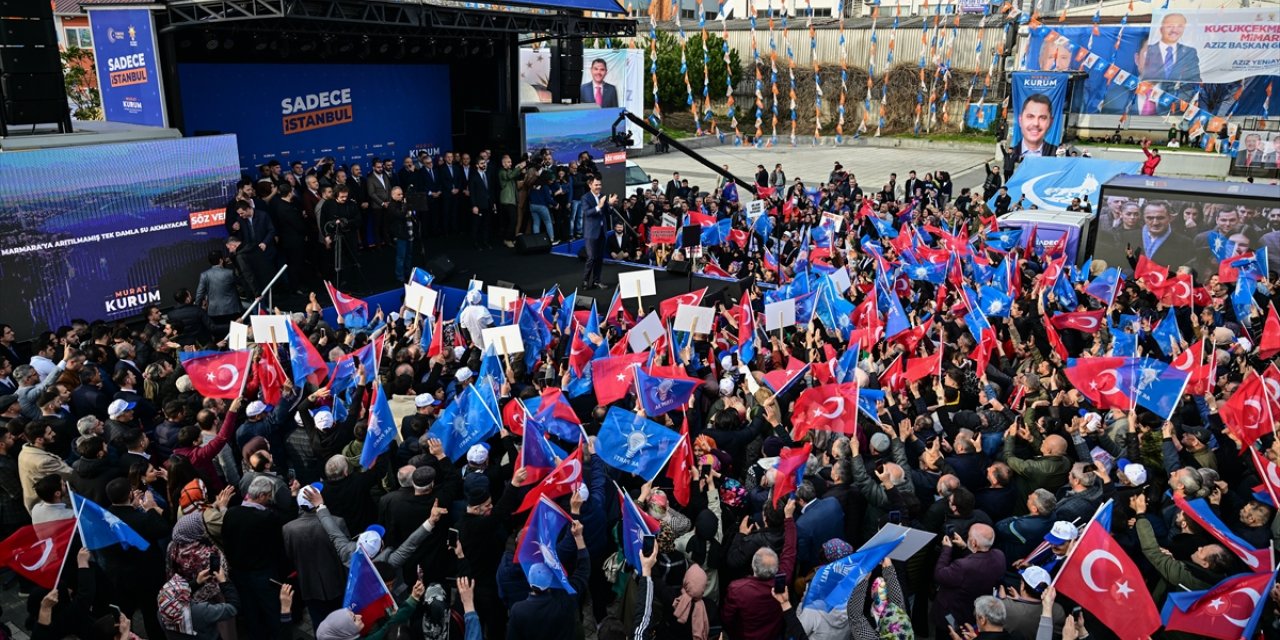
(1258, 149)
(1222, 44)
(1051, 183)
(1109, 56)
(662, 235)
(615, 78)
(124, 47)
(288, 112)
(1038, 101)
(105, 243)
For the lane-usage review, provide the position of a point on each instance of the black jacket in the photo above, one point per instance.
(91, 477)
(137, 572)
(192, 325)
(252, 539)
(481, 191)
(550, 614)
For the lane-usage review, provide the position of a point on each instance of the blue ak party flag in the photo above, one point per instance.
(628, 442)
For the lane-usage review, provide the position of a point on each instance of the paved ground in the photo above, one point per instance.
(870, 165)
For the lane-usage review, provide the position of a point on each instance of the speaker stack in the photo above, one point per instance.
(566, 70)
(531, 243)
(31, 86)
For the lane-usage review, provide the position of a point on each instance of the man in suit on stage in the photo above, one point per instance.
(481, 205)
(1168, 60)
(598, 91)
(596, 212)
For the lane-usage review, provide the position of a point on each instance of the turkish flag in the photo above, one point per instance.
(1178, 291)
(36, 551)
(1269, 343)
(1271, 380)
(218, 375)
(614, 377)
(790, 471)
(1102, 579)
(1084, 321)
(891, 378)
(1192, 361)
(680, 468)
(981, 354)
(918, 368)
(269, 374)
(1248, 413)
(1225, 610)
(1100, 381)
(1055, 340)
(1270, 474)
(830, 407)
(560, 482)
(513, 416)
(1150, 273)
(667, 308)
(581, 350)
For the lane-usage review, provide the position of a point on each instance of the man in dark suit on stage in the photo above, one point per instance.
(598, 91)
(596, 212)
(481, 205)
(1168, 60)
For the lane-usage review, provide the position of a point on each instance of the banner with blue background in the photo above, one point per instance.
(1049, 84)
(124, 49)
(1051, 183)
(305, 112)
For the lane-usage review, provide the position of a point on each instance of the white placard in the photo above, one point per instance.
(501, 298)
(238, 338)
(270, 329)
(475, 285)
(749, 379)
(838, 221)
(779, 315)
(756, 208)
(421, 299)
(914, 541)
(645, 332)
(634, 284)
(840, 278)
(694, 319)
(505, 340)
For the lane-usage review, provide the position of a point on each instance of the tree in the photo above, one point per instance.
(77, 69)
(672, 93)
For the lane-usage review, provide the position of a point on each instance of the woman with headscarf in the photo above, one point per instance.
(887, 616)
(344, 624)
(190, 558)
(702, 545)
(183, 615)
(691, 617)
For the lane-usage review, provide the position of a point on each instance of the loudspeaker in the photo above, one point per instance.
(533, 243)
(441, 267)
(678, 267)
(31, 85)
(583, 302)
(734, 291)
(566, 70)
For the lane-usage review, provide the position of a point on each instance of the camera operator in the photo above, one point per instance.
(338, 222)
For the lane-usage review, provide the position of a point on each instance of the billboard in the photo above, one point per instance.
(1223, 44)
(1258, 149)
(1051, 183)
(568, 133)
(107, 242)
(1038, 101)
(305, 112)
(1112, 85)
(124, 47)
(610, 78)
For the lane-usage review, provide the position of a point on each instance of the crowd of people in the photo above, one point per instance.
(256, 509)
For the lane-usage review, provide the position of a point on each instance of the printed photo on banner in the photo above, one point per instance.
(1038, 99)
(614, 78)
(1259, 149)
(1225, 45)
(124, 47)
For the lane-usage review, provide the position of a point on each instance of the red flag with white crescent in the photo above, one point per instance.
(219, 375)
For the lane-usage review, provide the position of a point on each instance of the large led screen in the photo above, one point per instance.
(99, 232)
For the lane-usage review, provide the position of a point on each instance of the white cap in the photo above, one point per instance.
(478, 454)
(423, 400)
(726, 386)
(118, 407)
(1035, 577)
(1245, 344)
(463, 374)
(393, 316)
(583, 492)
(302, 495)
(324, 419)
(458, 351)
(473, 296)
(257, 407)
(1061, 533)
(726, 362)
(370, 541)
(1136, 473)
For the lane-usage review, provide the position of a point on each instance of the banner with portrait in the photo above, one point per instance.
(1258, 149)
(1109, 56)
(1222, 44)
(124, 46)
(1039, 98)
(615, 78)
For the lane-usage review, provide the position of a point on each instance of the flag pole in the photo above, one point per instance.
(1080, 537)
(76, 515)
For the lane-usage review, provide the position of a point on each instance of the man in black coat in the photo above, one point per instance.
(338, 225)
(137, 575)
(190, 323)
(254, 544)
(481, 205)
(292, 228)
(547, 612)
(92, 472)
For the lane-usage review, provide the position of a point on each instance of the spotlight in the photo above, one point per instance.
(345, 47)
(260, 45)
(228, 43)
(211, 44)
(384, 47)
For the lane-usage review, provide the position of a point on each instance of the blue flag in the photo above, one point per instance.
(1124, 344)
(846, 365)
(635, 526)
(535, 333)
(421, 277)
(1004, 239)
(762, 226)
(1167, 334)
(1242, 298)
(927, 272)
(834, 582)
(1220, 246)
(366, 594)
(100, 528)
(884, 228)
(1065, 292)
(382, 428)
(491, 372)
(1104, 286)
(628, 442)
(895, 319)
(994, 302)
(538, 546)
(565, 320)
(1158, 385)
(463, 423)
(659, 395)
(867, 399)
